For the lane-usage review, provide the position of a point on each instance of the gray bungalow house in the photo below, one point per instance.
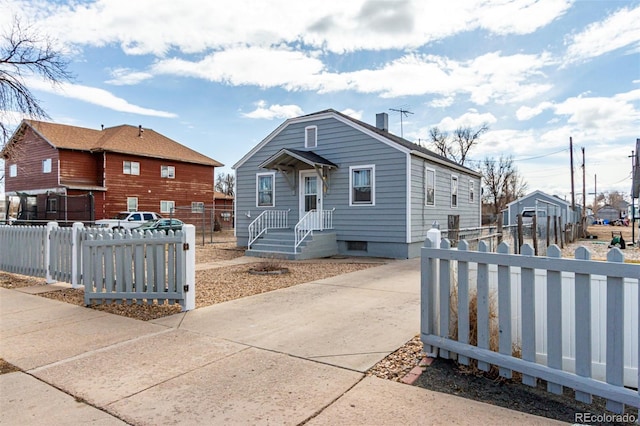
(325, 183)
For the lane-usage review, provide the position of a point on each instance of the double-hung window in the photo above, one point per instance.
(130, 167)
(429, 187)
(472, 191)
(197, 207)
(46, 165)
(454, 191)
(310, 137)
(168, 172)
(265, 190)
(167, 206)
(132, 204)
(13, 170)
(362, 185)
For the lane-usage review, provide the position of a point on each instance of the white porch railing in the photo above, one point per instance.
(268, 219)
(311, 221)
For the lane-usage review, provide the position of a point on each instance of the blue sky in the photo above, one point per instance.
(220, 76)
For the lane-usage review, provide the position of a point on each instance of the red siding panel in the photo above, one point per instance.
(192, 182)
(32, 152)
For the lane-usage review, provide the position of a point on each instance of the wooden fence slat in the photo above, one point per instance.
(615, 330)
(463, 301)
(528, 308)
(504, 310)
(554, 319)
(444, 296)
(483, 307)
(583, 322)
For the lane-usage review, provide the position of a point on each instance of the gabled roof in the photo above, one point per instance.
(537, 192)
(379, 134)
(122, 139)
(287, 157)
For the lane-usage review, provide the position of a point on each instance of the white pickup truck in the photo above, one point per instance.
(128, 220)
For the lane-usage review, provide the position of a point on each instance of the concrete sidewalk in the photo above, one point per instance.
(290, 356)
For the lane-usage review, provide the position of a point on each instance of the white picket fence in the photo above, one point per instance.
(111, 266)
(575, 320)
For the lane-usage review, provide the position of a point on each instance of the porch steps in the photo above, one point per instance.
(279, 244)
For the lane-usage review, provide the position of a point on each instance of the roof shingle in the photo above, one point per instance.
(124, 139)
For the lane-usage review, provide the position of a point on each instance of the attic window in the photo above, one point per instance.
(311, 137)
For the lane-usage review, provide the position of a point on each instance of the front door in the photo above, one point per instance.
(311, 197)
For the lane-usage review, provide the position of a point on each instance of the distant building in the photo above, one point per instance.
(69, 173)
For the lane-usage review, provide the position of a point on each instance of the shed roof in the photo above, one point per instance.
(124, 139)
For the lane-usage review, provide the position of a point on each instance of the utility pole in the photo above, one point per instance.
(573, 189)
(584, 199)
(403, 112)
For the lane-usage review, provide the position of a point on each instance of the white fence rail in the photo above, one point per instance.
(575, 320)
(268, 219)
(110, 266)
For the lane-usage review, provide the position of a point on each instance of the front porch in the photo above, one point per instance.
(271, 236)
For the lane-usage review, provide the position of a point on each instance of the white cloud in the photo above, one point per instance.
(526, 113)
(263, 67)
(490, 77)
(193, 26)
(96, 96)
(270, 112)
(128, 77)
(618, 30)
(470, 119)
(353, 113)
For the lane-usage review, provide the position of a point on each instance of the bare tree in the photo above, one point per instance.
(24, 53)
(502, 182)
(457, 146)
(225, 183)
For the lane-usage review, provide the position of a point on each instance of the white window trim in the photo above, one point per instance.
(426, 172)
(13, 170)
(455, 178)
(134, 168)
(472, 192)
(136, 208)
(170, 172)
(46, 165)
(373, 185)
(273, 189)
(169, 205)
(307, 143)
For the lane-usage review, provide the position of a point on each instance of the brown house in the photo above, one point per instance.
(68, 173)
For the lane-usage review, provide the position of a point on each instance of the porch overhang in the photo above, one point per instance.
(288, 160)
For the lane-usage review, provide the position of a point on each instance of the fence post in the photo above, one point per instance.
(47, 251)
(75, 254)
(190, 268)
(429, 289)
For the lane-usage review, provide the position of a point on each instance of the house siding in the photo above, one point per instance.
(80, 168)
(29, 165)
(384, 222)
(423, 217)
(192, 183)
